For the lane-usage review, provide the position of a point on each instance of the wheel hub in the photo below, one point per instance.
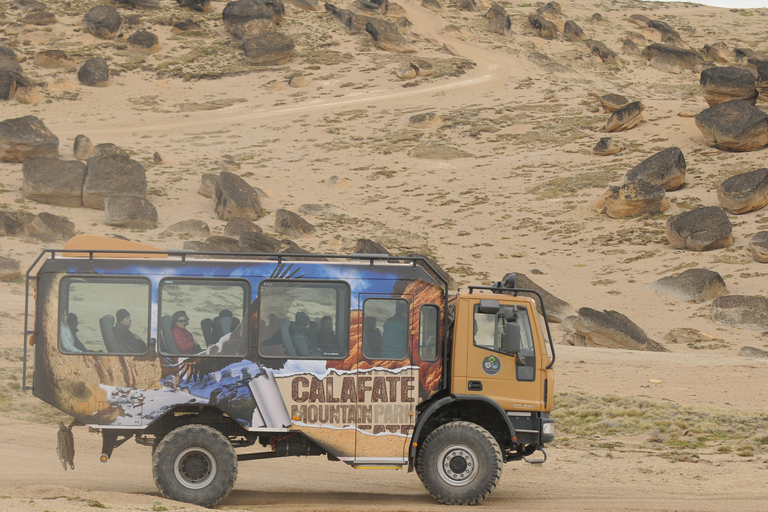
(457, 465)
(195, 468)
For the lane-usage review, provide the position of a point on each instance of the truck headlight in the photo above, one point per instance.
(548, 428)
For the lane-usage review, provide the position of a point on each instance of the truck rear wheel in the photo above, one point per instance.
(195, 464)
(459, 463)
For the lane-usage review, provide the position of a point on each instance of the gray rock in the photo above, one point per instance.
(190, 227)
(636, 198)
(625, 118)
(607, 329)
(196, 5)
(601, 50)
(40, 18)
(612, 102)
(53, 181)
(187, 26)
(425, 121)
(144, 41)
(744, 192)
(365, 246)
(141, 4)
(403, 25)
(573, 32)
(701, 229)
(207, 185)
(597, 19)
(405, 72)
(306, 5)
(354, 23)
(258, 243)
(557, 309)
(667, 57)
(10, 269)
(268, 49)
(14, 223)
(467, 5)
(242, 11)
(7, 84)
(94, 73)
(743, 311)
(606, 147)
(758, 244)
(252, 28)
(48, 227)
(542, 27)
(386, 36)
(734, 126)
(666, 168)
(103, 21)
(498, 20)
(28, 5)
(718, 52)
(695, 284)
(291, 224)
(52, 59)
(27, 136)
(239, 225)
(753, 352)
(663, 30)
(129, 212)
(107, 176)
(748, 57)
(692, 337)
(233, 197)
(223, 243)
(111, 150)
(629, 47)
(728, 83)
(432, 5)
(197, 246)
(6, 52)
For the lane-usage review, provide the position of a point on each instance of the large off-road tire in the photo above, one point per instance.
(459, 463)
(195, 464)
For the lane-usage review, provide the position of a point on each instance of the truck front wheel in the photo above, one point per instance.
(195, 464)
(459, 463)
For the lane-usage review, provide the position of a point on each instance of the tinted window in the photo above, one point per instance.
(385, 329)
(429, 329)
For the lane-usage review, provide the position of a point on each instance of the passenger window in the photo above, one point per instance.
(508, 332)
(104, 315)
(203, 317)
(304, 319)
(385, 329)
(429, 332)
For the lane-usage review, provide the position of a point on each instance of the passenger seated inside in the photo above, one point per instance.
(73, 322)
(326, 337)
(69, 341)
(394, 341)
(298, 333)
(183, 339)
(371, 338)
(127, 341)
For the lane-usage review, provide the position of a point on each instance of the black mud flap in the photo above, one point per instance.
(65, 445)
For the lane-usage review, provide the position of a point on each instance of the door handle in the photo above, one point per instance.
(475, 385)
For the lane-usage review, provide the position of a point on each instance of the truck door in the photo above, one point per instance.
(514, 381)
(387, 380)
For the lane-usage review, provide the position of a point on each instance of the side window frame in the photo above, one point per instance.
(407, 354)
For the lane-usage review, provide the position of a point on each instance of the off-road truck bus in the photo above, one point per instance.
(366, 359)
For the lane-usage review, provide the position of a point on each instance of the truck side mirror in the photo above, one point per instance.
(488, 306)
(512, 338)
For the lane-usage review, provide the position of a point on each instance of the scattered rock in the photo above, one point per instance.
(467, 5)
(239, 225)
(270, 49)
(633, 199)
(695, 284)
(718, 52)
(6, 52)
(111, 150)
(759, 246)
(191, 227)
(573, 32)
(233, 197)
(186, 26)
(365, 246)
(748, 57)
(198, 246)
(107, 176)
(667, 57)
(53, 181)
(196, 5)
(601, 51)
(432, 5)
(439, 269)
(131, 212)
(103, 22)
(761, 83)
(498, 20)
(612, 102)
(403, 25)
(94, 73)
(557, 309)
(545, 62)
(701, 229)
(734, 126)
(297, 81)
(630, 47)
(252, 28)
(742, 311)
(744, 192)
(158, 159)
(144, 41)
(666, 168)
(28, 5)
(291, 224)
(428, 120)
(597, 19)
(222, 243)
(10, 269)
(606, 147)
(207, 185)
(607, 329)
(729, 83)
(691, 337)
(625, 118)
(141, 4)
(258, 243)
(306, 5)
(542, 27)
(47, 227)
(52, 59)
(243, 11)
(405, 72)
(423, 68)
(386, 37)
(27, 136)
(7, 84)
(40, 18)
(753, 352)
(228, 163)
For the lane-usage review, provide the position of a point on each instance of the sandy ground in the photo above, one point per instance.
(522, 200)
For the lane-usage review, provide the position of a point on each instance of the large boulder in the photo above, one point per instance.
(196, 5)
(13, 223)
(103, 21)
(386, 36)
(144, 41)
(40, 18)
(701, 229)
(239, 225)
(625, 118)
(601, 51)
(636, 198)
(243, 11)
(234, 197)
(268, 49)
(129, 212)
(291, 224)
(53, 181)
(94, 73)
(734, 126)
(695, 284)
(107, 176)
(758, 244)
(259, 243)
(222, 243)
(366, 246)
(668, 57)
(728, 83)
(498, 20)
(542, 27)
(719, 52)
(607, 329)
(606, 147)
(743, 311)
(27, 136)
(761, 83)
(573, 32)
(190, 227)
(744, 192)
(666, 168)
(557, 309)
(7, 84)
(48, 228)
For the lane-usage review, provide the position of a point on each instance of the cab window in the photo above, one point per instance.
(508, 331)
